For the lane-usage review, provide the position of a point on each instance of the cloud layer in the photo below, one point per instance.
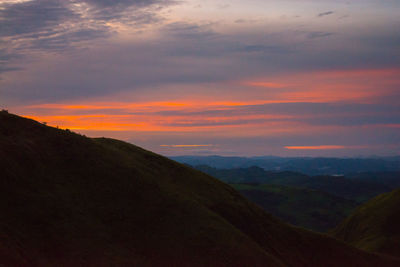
(293, 73)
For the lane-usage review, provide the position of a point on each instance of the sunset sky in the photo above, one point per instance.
(211, 77)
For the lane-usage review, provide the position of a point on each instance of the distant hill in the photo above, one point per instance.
(389, 179)
(68, 200)
(375, 226)
(318, 203)
(352, 189)
(311, 209)
(309, 166)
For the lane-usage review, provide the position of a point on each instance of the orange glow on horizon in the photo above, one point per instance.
(159, 105)
(231, 113)
(151, 121)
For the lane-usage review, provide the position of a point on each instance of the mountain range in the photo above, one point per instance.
(355, 188)
(306, 165)
(69, 200)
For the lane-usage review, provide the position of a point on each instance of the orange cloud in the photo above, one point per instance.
(145, 116)
(228, 113)
(266, 84)
(392, 125)
(314, 147)
(186, 146)
(361, 85)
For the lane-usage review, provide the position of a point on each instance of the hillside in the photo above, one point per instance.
(311, 209)
(68, 200)
(375, 225)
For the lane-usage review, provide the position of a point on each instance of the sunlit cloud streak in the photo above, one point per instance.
(323, 147)
(186, 146)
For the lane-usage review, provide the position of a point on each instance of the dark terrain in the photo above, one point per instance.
(68, 200)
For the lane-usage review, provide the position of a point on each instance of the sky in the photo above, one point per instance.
(211, 77)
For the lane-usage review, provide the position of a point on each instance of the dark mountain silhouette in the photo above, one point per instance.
(68, 200)
(374, 226)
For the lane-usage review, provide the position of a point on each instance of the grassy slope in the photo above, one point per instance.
(67, 200)
(311, 209)
(375, 225)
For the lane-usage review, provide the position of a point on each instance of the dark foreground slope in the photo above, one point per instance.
(67, 200)
(311, 209)
(375, 226)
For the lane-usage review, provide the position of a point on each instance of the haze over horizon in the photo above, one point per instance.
(248, 78)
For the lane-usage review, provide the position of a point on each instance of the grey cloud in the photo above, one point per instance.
(266, 49)
(200, 40)
(325, 13)
(66, 40)
(310, 113)
(6, 69)
(125, 3)
(207, 123)
(240, 21)
(125, 9)
(59, 25)
(323, 109)
(5, 56)
(38, 16)
(191, 54)
(43, 16)
(189, 31)
(355, 120)
(313, 35)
